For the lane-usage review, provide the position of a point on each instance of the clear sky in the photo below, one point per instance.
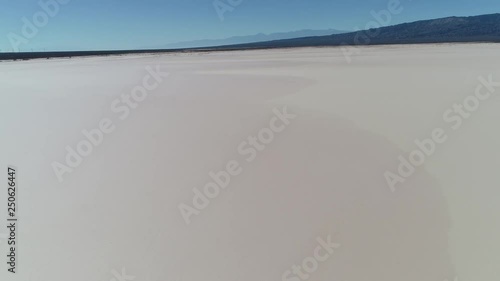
(132, 24)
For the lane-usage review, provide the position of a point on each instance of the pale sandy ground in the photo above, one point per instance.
(322, 175)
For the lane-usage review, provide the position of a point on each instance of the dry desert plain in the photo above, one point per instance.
(243, 165)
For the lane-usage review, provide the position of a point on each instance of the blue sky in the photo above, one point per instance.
(132, 24)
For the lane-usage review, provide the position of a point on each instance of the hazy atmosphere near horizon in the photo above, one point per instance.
(133, 24)
(249, 140)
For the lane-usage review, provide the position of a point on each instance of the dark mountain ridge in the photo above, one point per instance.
(485, 28)
(261, 37)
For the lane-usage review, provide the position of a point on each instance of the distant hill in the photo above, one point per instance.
(485, 28)
(251, 38)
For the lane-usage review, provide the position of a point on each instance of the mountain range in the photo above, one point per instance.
(484, 28)
(261, 37)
